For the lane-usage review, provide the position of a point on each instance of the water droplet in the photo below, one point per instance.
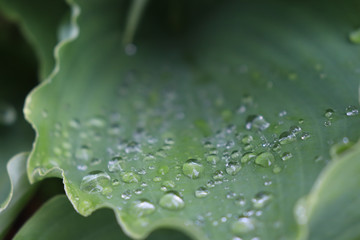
(83, 153)
(327, 123)
(97, 122)
(305, 136)
(95, 182)
(168, 184)
(261, 200)
(276, 148)
(286, 155)
(286, 137)
(95, 161)
(218, 175)
(232, 168)
(212, 159)
(295, 130)
(210, 184)
(163, 170)
(240, 200)
(115, 182)
(230, 195)
(247, 139)
(157, 179)
(130, 177)
(169, 141)
(7, 114)
(257, 122)
(354, 36)
(138, 191)
(74, 123)
(242, 226)
(201, 192)
(172, 201)
(247, 157)
(329, 113)
(142, 207)
(126, 195)
(351, 111)
(265, 159)
(276, 169)
(116, 164)
(235, 155)
(192, 168)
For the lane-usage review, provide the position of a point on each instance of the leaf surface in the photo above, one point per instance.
(216, 127)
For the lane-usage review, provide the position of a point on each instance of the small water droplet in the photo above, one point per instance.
(243, 226)
(115, 182)
(247, 157)
(210, 184)
(126, 195)
(247, 139)
(116, 164)
(98, 122)
(201, 192)
(261, 200)
(218, 175)
(172, 201)
(74, 123)
(286, 138)
(163, 170)
(276, 169)
(192, 168)
(235, 155)
(212, 159)
(351, 111)
(240, 200)
(295, 130)
(305, 136)
(95, 182)
(232, 168)
(168, 184)
(130, 177)
(256, 122)
(286, 156)
(265, 159)
(84, 153)
(95, 161)
(157, 179)
(329, 113)
(142, 208)
(354, 36)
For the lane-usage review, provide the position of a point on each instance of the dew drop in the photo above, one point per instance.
(351, 111)
(157, 179)
(256, 122)
(126, 195)
(192, 168)
(265, 159)
(172, 201)
(247, 157)
(247, 139)
(261, 200)
(295, 130)
(305, 136)
(218, 175)
(286, 138)
(212, 159)
(232, 168)
(235, 155)
(97, 122)
(276, 169)
(116, 164)
(210, 184)
(143, 207)
(163, 170)
(95, 182)
(329, 113)
(240, 200)
(242, 226)
(201, 192)
(286, 156)
(130, 177)
(84, 153)
(74, 123)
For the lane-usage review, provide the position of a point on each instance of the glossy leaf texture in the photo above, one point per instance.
(216, 123)
(100, 225)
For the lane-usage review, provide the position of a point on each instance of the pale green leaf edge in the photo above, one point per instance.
(38, 174)
(20, 191)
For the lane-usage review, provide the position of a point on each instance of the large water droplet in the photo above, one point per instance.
(247, 139)
(247, 157)
(261, 200)
(130, 177)
(172, 201)
(242, 226)
(212, 158)
(286, 137)
(286, 156)
(351, 111)
(265, 159)
(232, 168)
(256, 122)
(116, 164)
(142, 207)
(201, 192)
(95, 182)
(192, 168)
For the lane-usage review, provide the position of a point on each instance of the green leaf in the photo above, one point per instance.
(39, 21)
(334, 197)
(217, 126)
(70, 225)
(20, 192)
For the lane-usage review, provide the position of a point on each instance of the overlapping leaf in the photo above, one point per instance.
(217, 129)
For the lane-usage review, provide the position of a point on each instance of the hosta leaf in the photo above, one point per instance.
(70, 225)
(335, 197)
(216, 126)
(39, 21)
